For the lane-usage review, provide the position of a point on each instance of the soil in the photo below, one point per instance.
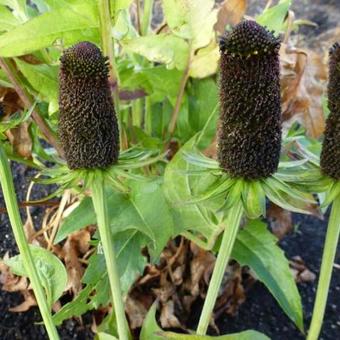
(260, 311)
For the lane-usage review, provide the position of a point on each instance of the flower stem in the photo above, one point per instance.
(328, 257)
(100, 207)
(20, 238)
(108, 47)
(228, 240)
(147, 14)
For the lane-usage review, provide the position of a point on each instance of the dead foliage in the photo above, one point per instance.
(179, 283)
(300, 270)
(303, 83)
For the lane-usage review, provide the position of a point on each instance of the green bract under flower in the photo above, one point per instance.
(88, 127)
(249, 134)
(282, 188)
(330, 155)
(81, 179)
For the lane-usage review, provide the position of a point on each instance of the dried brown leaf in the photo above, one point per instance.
(230, 13)
(303, 77)
(168, 318)
(280, 220)
(21, 140)
(136, 311)
(29, 301)
(300, 271)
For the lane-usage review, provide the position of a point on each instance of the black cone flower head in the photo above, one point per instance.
(330, 155)
(249, 136)
(88, 128)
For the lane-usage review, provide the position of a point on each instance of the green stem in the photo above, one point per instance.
(100, 207)
(108, 47)
(228, 240)
(20, 238)
(147, 14)
(328, 257)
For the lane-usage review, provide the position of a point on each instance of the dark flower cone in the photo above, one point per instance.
(249, 136)
(330, 155)
(88, 128)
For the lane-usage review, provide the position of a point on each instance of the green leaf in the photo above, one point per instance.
(246, 335)
(273, 17)
(118, 5)
(7, 19)
(192, 20)
(162, 48)
(158, 81)
(178, 188)
(79, 22)
(205, 62)
(254, 199)
(203, 100)
(256, 247)
(43, 79)
(105, 336)
(77, 307)
(51, 271)
(145, 210)
(131, 263)
(151, 331)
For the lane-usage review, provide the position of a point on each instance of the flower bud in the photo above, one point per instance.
(249, 133)
(88, 128)
(330, 155)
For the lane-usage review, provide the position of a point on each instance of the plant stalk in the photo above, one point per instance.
(227, 244)
(100, 207)
(147, 14)
(329, 252)
(180, 95)
(108, 46)
(20, 238)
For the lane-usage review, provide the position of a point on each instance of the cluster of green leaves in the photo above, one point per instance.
(161, 72)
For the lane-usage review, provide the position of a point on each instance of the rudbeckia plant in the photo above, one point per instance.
(248, 170)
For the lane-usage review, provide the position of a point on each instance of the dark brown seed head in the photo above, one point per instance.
(330, 155)
(88, 128)
(249, 135)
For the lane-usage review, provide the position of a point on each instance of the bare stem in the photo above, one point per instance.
(329, 252)
(101, 209)
(108, 46)
(175, 112)
(26, 98)
(227, 244)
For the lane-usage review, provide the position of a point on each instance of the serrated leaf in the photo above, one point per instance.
(131, 263)
(129, 212)
(162, 48)
(178, 186)
(256, 247)
(77, 307)
(51, 271)
(79, 22)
